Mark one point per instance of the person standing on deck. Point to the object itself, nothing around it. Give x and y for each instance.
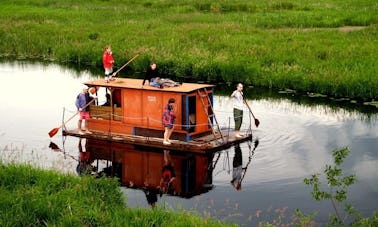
(81, 103)
(237, 96)
(108, 61)
(150, 73)
(168, 120)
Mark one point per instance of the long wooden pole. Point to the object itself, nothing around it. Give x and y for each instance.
(132, 59)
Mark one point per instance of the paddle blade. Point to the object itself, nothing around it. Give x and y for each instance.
(257, 122)
(53, 132)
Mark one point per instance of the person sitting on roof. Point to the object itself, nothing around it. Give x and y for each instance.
(151, 73)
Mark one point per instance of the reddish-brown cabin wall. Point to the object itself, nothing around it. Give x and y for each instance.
(144, 108)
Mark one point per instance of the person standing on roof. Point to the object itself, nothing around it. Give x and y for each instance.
(108, 61)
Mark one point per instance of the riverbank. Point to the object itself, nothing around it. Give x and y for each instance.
(31, 196)
(327, 47)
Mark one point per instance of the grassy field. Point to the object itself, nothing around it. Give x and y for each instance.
(35, 197)
(323, 46)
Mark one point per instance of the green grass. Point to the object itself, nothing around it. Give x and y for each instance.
(31, 197)
(300, 45)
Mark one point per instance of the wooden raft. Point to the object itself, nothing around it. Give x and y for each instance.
(202, 145)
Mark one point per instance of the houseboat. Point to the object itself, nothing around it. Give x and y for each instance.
(134, 115)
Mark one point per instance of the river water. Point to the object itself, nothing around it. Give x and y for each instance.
(295, 141)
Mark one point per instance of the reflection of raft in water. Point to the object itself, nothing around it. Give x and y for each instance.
(142, 168)
(134, 117)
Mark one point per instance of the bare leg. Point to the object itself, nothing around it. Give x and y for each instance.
(170, 131)
(79, 125)
(165, 134)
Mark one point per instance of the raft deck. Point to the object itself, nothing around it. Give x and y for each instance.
(205, 144)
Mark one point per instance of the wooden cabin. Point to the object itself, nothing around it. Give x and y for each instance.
(135, 116)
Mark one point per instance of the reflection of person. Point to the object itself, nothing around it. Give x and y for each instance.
(108, 61)
(237, 96)
(151, 194)
(237, 169)
(150, 73)
(84, 166)
(81, 103)
(168, 173)
(168, 120)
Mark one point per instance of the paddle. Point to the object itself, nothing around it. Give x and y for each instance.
(55, 130)
(257, 122)
(132, 59)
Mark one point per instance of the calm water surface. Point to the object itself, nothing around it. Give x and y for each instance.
(294, 142)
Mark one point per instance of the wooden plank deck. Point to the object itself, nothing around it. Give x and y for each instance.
(202, 145)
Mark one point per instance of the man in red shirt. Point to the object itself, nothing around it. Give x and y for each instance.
(108, 61)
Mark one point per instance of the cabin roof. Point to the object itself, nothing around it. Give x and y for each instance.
(129, 83)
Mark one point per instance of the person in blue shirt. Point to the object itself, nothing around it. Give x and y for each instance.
(81, 104)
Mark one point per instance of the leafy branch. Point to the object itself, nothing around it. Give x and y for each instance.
(336, 192)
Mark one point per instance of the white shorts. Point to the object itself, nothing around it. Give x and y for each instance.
(108, 71)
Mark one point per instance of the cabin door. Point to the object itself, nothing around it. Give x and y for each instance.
(189, 113)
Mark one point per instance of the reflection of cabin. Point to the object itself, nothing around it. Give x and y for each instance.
(135, 112)
(193, 175)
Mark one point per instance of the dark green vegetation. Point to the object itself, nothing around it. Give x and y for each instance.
(34, 197)
(324, 46)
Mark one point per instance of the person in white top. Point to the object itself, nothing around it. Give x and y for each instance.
(237, 96)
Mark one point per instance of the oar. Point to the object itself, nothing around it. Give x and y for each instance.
(132, 59)
(257, 122)
(55, 130)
